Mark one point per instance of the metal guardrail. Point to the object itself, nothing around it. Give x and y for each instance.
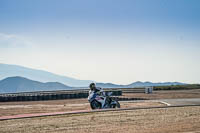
(61, 94)
(39, 96)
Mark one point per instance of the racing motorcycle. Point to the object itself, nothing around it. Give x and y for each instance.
(101, 102)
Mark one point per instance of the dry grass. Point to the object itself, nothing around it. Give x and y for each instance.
(15, 108)
(166, 94)
(184, 119)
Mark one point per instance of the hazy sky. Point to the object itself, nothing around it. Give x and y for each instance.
(118, 41)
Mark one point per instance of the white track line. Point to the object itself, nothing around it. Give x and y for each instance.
(165, 103)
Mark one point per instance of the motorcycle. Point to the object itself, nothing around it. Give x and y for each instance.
(102, 102)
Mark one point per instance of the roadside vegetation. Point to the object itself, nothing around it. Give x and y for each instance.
(178, 87)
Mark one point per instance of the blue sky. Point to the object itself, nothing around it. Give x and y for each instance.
(104, 40)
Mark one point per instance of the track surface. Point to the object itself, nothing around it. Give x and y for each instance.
(169, 102)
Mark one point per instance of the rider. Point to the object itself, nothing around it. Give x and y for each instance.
(97, 90)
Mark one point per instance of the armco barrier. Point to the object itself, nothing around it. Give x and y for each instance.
(48, 96)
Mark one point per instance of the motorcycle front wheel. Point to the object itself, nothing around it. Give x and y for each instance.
(115, 104)
(95, 105)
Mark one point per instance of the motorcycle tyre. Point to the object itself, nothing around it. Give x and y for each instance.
(98, 105)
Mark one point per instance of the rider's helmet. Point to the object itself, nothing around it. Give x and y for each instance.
(92, 86)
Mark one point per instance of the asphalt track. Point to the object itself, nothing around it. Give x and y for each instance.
(171, 103)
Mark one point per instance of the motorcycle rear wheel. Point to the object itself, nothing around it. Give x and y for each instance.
(117, 104)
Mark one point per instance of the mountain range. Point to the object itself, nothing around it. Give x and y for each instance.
(21, 84)
(138, 84)
(39, 75)
(15, 79)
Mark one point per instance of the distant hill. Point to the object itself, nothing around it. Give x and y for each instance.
(39, 75)
(108, 85)
(138, 84)
(143, 84)
(20, 84)
(27, 79)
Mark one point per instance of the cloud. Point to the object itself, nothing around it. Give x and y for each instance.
(13, 41)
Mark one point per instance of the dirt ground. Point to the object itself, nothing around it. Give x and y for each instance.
(170, 120)
(14, 108)
(166, 94)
